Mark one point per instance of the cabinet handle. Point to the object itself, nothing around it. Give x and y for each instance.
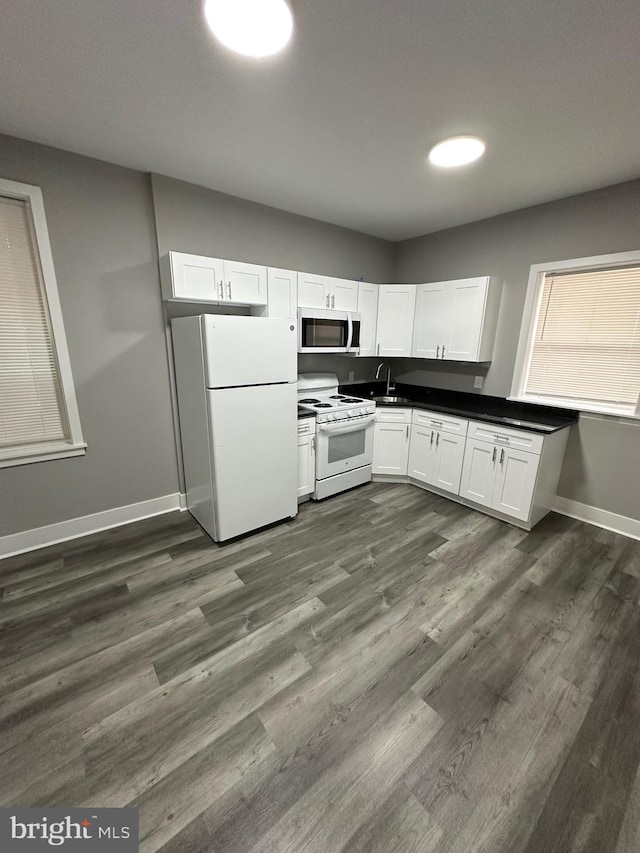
(327, 300)
(502, 456)
(437, 439)
(443, 350)
(407, 432)
(313, 444)
(221, 286)
(431, 442)
(229, 289)
(493, 458)
(438, 351)
(378, 352)
(333, 300)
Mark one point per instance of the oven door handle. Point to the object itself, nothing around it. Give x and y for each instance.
(351, 426)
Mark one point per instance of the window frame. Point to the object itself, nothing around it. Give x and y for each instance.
(528, 327)
(75, 444)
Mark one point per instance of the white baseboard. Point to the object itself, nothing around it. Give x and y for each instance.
(39, 537)
(600, 517)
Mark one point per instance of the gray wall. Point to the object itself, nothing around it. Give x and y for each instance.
(602, 464)
(100, 220)
(194, 219)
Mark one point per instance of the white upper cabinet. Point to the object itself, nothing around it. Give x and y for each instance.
(282, 290)
(368, 310)
(457, 320)
(192, 278)
(396, 305)
(313, 290)
(196, 278)
(432, 315)
(322, 291)
(245, 284)
(343, 294)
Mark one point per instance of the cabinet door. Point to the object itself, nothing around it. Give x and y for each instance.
(282, 290)
(196, 278)
(421, 453)
(432, 320)
(343, 294)
(368, 310)
(245, 284)
(467, 300)
(313, 291)
(396, 305)
(390, 449)
(446, 468)
(478, 471)
(516, 473)
(306, 465)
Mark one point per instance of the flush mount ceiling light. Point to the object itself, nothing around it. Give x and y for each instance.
(250, 27)
(456, 151)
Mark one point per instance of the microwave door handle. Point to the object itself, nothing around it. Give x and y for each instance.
(349, 333)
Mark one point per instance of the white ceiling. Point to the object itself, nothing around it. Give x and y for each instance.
(339, 125)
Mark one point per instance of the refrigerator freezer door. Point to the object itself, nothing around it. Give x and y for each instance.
(253, 436)
(249, 350)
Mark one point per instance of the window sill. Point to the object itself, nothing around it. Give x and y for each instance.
(576, 406)
(41, 453)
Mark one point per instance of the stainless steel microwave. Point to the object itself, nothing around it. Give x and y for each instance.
(320, 330)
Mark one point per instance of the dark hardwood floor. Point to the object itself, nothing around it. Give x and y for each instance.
(389, 672)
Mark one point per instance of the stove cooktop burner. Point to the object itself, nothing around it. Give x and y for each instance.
(311, 401)
(337, 397)
(350, 400)
(323, 405)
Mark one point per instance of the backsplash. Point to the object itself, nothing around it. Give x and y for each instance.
(451, 376)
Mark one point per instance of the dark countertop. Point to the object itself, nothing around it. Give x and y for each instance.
(303, 414)
(478, 407)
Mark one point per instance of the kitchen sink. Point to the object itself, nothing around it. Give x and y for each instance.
(385, 398)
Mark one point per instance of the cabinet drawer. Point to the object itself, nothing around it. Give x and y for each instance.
(393, 416)
(306, 426)
(444, 423)
(505, 437)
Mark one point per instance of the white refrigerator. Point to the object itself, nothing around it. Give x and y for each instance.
(236, 387)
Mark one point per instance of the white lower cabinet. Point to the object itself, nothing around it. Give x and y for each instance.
(513, 473)
(306, 457)
(391, 442)
(437, 450)
(499, 477)
(500, 468)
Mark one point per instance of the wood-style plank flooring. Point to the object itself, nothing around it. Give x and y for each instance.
(388, 672)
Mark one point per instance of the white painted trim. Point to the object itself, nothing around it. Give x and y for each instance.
(32, 195)
(600, 517)
(531, 310)
(40, 537)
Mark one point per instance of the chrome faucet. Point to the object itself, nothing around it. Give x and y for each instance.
(390, 387)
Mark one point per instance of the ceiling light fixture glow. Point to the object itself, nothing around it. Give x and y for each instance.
(251, 27)
(456, 151)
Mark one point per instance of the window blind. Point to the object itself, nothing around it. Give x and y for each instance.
(31, 402)
(586, 346)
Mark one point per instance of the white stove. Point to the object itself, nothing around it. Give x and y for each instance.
(344, 433)
(318, 393)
